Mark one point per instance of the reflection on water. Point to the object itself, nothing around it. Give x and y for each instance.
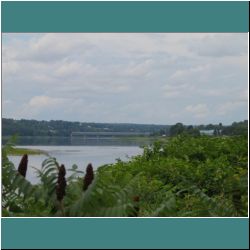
(79, 151)
(79, 155)
(66, 141)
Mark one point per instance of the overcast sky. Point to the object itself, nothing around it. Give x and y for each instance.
(136, 78)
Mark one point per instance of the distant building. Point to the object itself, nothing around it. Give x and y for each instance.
(207, 132)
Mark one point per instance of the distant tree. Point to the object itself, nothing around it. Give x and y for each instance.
(177, 129)
(201, 127)
(237, 128)
(192, 131)
(210, 126)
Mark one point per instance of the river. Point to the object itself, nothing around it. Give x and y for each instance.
(79, 155)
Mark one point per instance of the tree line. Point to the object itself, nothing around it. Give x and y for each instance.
(236, 128)
(25, 127)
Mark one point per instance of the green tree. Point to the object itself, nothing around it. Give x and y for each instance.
(177, 129)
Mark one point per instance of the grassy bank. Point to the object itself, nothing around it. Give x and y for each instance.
(21, 151)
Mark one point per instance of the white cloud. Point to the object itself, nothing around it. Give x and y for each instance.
(68, 69)
(45, 102)
(69, 76)
(220, 45)
(10, 68)
(137, 69)
(172, 91)
(229, 107)
(198, 110)
(183, 74)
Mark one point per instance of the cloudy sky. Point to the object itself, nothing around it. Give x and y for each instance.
(136, 78)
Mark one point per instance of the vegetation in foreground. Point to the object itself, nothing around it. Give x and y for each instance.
(184, 176)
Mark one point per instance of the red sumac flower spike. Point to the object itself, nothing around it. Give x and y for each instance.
(23, 165)
(61, 183)
(89, 177)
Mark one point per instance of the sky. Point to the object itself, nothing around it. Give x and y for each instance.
(150, 78)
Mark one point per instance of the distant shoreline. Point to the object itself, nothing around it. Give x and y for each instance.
(21, 151)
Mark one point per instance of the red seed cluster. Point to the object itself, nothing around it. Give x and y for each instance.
(136, 198)
(61, 183)
(89, 177)
(23, 165)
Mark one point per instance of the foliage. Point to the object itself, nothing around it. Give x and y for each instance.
(179, 129)
(25, 127)
(183, 176)
(237, 128)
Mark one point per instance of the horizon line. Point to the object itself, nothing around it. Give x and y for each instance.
(132, 123)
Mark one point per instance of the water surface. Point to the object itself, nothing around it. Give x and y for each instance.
(79, 155)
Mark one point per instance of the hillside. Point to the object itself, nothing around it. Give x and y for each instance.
(65, 128)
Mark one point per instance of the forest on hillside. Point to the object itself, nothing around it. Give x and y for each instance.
(25, 127)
